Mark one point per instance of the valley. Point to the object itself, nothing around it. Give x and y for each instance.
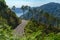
(29, 20)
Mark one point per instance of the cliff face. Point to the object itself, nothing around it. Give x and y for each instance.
(7, 16)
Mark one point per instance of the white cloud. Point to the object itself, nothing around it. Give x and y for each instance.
(19, 3)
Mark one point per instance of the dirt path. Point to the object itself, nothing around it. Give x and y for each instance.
(20, 28)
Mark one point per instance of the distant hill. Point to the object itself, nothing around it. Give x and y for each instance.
(52, 8)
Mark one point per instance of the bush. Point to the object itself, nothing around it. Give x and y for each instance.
(6, 34)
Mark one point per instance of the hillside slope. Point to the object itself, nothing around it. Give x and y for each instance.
(7, 16)
(53, 8)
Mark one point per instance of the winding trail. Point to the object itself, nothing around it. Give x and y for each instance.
(20, 28)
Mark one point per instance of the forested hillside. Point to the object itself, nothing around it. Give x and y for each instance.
(44, 19)
(7, 16)
(54, 10)
(43, 15)
(43, 26)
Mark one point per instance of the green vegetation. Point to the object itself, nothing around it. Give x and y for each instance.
(2, 0)
(6, 34)
(45, 22)
(46, 27)
(7, 16)
(49, 27)
(34, 31)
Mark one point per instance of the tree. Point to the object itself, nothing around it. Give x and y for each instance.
(40, 15)
(13, 7)
(24, 8)
(2, 0)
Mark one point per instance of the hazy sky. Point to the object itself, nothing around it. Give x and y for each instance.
(32, 3)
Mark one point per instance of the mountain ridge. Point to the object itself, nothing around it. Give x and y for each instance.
(52, 8)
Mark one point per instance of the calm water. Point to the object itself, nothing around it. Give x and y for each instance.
(19, 14)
